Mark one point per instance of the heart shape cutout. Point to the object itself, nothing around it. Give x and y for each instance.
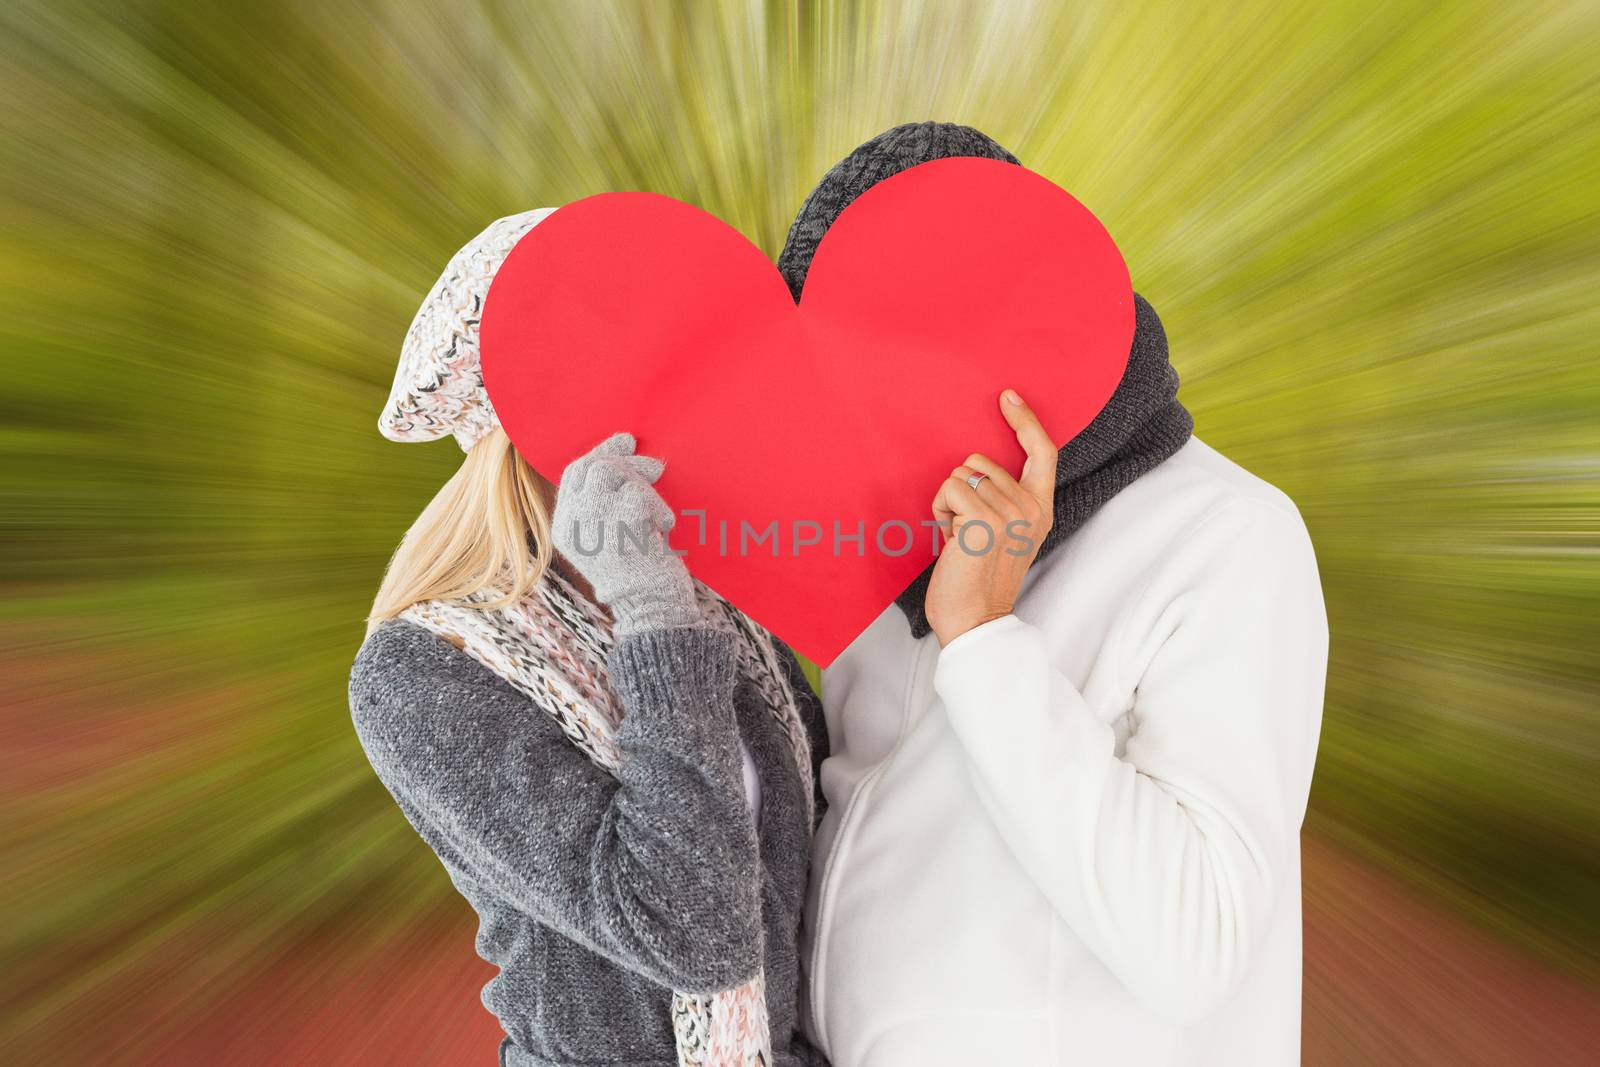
(835, 419)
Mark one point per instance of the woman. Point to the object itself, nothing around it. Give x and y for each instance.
(614, 765)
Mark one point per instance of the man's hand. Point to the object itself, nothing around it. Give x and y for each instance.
(993, 531)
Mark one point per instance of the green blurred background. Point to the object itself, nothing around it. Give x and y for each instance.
(1372, 230)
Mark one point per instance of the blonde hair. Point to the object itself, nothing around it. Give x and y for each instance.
(486, 528)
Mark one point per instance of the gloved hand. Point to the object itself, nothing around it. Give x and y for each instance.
(607, 507)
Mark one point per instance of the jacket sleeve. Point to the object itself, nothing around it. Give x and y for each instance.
(1167, 860)
(655, 868)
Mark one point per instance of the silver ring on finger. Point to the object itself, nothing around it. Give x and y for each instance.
(974, 480)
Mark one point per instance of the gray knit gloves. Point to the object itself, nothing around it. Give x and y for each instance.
(611, 525)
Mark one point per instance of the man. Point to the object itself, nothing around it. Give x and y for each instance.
(1066, 789)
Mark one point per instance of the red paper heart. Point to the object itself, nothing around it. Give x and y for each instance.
(931, 292)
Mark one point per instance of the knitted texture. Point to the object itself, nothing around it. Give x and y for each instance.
(438, 387)
(612, 525)
(886, 155)
(1140, 426)
(585, 793)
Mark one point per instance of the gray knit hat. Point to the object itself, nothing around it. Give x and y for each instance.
(884, 156)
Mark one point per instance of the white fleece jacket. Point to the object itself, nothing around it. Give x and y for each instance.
(1072, 836)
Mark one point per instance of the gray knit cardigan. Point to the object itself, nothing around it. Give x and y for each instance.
(598, 893)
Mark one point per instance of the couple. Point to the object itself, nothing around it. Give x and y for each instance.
(1047, 811)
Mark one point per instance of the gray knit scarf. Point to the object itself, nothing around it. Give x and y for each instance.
(1140, 426)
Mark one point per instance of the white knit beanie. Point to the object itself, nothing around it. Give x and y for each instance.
(438, 388)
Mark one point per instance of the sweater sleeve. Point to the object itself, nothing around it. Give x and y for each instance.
(1165, 861)
(655, 868)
